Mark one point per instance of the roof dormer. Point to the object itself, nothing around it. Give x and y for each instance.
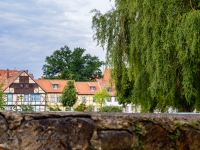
(109, 89)
(54, 84)
(92, 86)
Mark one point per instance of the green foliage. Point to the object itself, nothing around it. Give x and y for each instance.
(68, 95)
(111, 109)
(194, 124)
(90, 108)
(67, 108)
(91, 148)
(19, 98)
(56, 108)
(72, 65)
(2, 98)
(153, 48)
(26, 107)
(81, 107)
(102, 96)
(179, 124)
(175, 134)
(23, 107)
(140, 132)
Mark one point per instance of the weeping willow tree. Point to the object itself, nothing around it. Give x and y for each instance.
(153, 48)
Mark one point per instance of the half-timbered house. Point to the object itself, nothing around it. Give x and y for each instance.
(21, 89)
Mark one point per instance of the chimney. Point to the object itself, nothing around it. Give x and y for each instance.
(27, 71)
(31, 75)
(42, 77)
(7, 73)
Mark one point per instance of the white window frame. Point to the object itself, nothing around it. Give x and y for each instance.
(83, 99)
(52, 98)
(92, 88)
(55, 86)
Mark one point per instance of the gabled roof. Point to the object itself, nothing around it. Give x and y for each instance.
(47, 85)
(91, 84)
(105, 81)
(7, 77)
(84, 88)
(106, 74)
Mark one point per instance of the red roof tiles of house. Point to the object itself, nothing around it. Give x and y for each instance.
(87, 88)
(8, 76)
(48, 85)
(106, 74)
(105, 81)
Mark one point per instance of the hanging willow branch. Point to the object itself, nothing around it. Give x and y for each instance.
(153, 48)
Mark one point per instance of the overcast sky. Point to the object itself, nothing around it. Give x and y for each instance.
(30, 30)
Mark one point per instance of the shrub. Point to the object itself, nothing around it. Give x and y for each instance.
(27, 107)
(56, 108)
(89, 108)
(81, 107)
(111, 109)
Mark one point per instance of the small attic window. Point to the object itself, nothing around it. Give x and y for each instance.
(92, 88)
(55, 86)
(109, 90)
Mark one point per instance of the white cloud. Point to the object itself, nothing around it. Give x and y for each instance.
(31, 30)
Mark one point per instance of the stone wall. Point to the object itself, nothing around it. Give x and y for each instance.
(98, 131)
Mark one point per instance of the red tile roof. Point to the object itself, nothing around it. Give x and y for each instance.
(8, 76)
(105, 81)
(54, 82)
(46, 84)
(84, 87)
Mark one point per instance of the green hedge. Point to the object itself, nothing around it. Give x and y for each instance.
(111, 109)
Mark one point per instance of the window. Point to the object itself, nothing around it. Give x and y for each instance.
(109, 90)
(52, 98)
(83, 99)
(34, 109)
(58, 98)
(92, 88)
(37, 108)
(115, 99)
(26, 86)
(35, 97)
(21, 85)
(94, 100)
(26, 97)
(8, 108)
(41, 108)
(98, 109)
(55, 86)
(127, 108)
(10, 98)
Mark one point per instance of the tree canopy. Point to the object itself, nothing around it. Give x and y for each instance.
(72, 65)
(68, 95)
(153, 47)
(102, 96)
